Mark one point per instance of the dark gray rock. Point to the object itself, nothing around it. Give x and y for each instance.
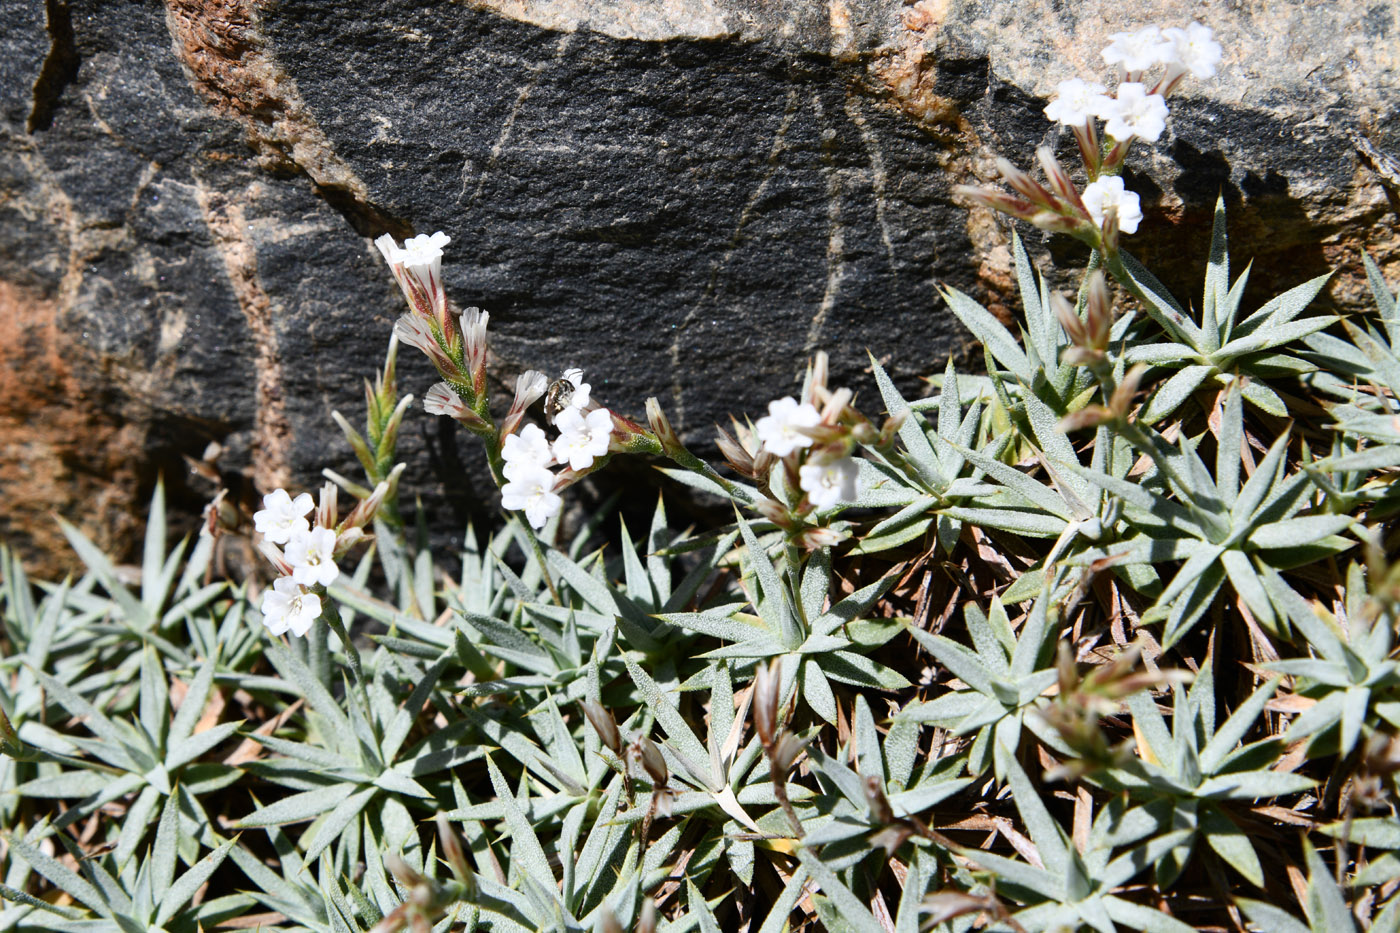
(684, 197)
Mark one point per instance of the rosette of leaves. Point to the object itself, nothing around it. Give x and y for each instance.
(876, 807)
(1366, 355)
(1036, 367)
(134, 896)
(635, 599)
(1218, 526)
(1222, 347)
(1325, 906)
(1065, 884)
(171, 592)
(31, 631)
(353, 769)
(825, 643)
(1351, 674)
(1003, 676)
(150, 758)
(923, 480)
(1192, 777)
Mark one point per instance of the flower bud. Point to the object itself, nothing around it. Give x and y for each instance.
(1122, 401)
(817, 371)
(1089, 416)
(653, 762)
(661, 427)
(775, 512)
(647, 922)
(880, 810)
(789, 747)
(1059, 179)
(1110, 229)
(346, 540)
(835, 405)
(529, 386)
(997, 201)
(891, 428)
(474, 321)
(1090, 150)
(1026, 186)
(604, 724)
(813, 538)
(327, 509)
(766, 684)
(364, 510)
(456, 858)
(1098, 311)
(739, 459)
(629, 437)
(418, 332)
(274, 556)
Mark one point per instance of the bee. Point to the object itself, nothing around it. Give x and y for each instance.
(557, 398)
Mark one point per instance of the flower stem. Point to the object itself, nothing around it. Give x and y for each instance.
(332, 617)
(318, 655)
(780, 791)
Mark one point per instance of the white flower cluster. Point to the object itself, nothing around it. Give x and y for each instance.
(585, 433)
(782, 431)
(309, 554)
(1137, 110)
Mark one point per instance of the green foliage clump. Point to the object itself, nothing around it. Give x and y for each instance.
(1100, 638)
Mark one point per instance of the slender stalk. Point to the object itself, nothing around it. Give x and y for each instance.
(780, 791)
(318, 655)
(694, 464)
(332, 616)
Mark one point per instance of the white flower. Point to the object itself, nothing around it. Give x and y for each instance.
(582, 390)
(528, 450)
(582, 437)
(1135, 113)
(532, 489)
(529, 386)
(1138, 51)
(282, 516)
(417, 266)
(778, 430)
(1109, 192)
(827, 484)
(442, 399)
(1075, 102)
(287, 606)
(312, 556)
(1194, 49)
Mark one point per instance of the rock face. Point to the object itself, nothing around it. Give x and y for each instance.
(684, 197)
